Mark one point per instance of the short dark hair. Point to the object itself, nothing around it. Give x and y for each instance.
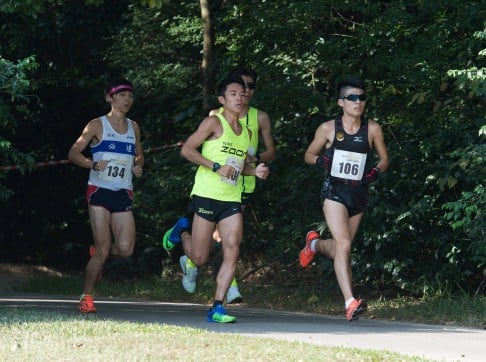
(349, 83)
(223, 85)
(118, 85)
(242, 70)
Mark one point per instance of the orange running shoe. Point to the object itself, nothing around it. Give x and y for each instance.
(357, 307)
(92, 251)
(306, 255)
(86, 304)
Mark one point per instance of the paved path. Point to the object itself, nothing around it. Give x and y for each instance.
(426, 341)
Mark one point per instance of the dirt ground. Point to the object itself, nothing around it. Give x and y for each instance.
(14, 275)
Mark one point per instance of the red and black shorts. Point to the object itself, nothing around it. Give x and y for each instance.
(113, 201)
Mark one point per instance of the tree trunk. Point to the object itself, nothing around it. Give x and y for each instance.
(207, 66)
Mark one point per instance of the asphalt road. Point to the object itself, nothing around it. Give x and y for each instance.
(427, 341)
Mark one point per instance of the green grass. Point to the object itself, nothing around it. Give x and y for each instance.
(27, 335)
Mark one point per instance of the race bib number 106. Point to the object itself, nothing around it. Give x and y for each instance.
(348, 165)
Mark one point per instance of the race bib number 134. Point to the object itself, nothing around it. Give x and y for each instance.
(119, 168)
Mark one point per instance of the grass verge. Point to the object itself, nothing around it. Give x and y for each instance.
(27, 335)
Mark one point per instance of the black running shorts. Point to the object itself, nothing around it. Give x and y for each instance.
(214, 210)
(354, 197)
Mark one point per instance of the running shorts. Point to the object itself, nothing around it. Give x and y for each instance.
(354, 197)
(113, 201)
(213, 210)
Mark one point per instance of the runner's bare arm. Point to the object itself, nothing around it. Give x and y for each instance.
(139, 157)
(209, 128)
(322, 138)
(378, 143)
(91, 134)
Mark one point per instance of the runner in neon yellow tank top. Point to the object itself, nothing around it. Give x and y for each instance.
(229, 150)
(260, 126)
(216, 195)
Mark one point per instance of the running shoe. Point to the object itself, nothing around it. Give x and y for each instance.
(190, 274)
(357, 307)
(306, 255)
(92, 251)
(218, 314)
(86, 304)
(173, 235)
(233, 295)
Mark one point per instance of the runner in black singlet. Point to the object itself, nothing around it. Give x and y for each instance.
(347, 142)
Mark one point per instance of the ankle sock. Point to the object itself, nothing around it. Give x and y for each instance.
(190, 263)
(217, 302)
(348, 302)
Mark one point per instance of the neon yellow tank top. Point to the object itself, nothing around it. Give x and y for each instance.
(248, 183)
(229, 149)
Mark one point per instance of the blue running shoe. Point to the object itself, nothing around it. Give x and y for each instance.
(218, 314)
(173, 235)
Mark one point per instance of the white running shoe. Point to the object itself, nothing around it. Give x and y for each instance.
(233, 295)
(190, 274)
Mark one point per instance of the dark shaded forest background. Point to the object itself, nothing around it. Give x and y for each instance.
(424, 63)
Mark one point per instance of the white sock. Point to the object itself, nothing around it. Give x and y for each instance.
(348, 302)
(313, 245)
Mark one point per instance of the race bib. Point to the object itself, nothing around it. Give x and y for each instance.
(237, 164)
(348, 165)
(119, 168)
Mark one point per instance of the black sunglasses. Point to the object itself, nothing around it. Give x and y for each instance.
(250, 85)
(355, 97)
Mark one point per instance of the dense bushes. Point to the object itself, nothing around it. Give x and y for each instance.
(424, 229)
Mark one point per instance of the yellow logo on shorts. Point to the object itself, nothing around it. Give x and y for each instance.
(201, 210)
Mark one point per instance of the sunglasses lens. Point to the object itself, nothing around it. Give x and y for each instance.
(250, 85)
(355, 97)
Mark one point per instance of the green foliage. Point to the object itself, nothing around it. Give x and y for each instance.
(424, 116)
(13, 87)
(153, 3)
(424, 67)
(467, 215)
(68, 42)
(165, 71)
(474, 77)
(34, 7)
